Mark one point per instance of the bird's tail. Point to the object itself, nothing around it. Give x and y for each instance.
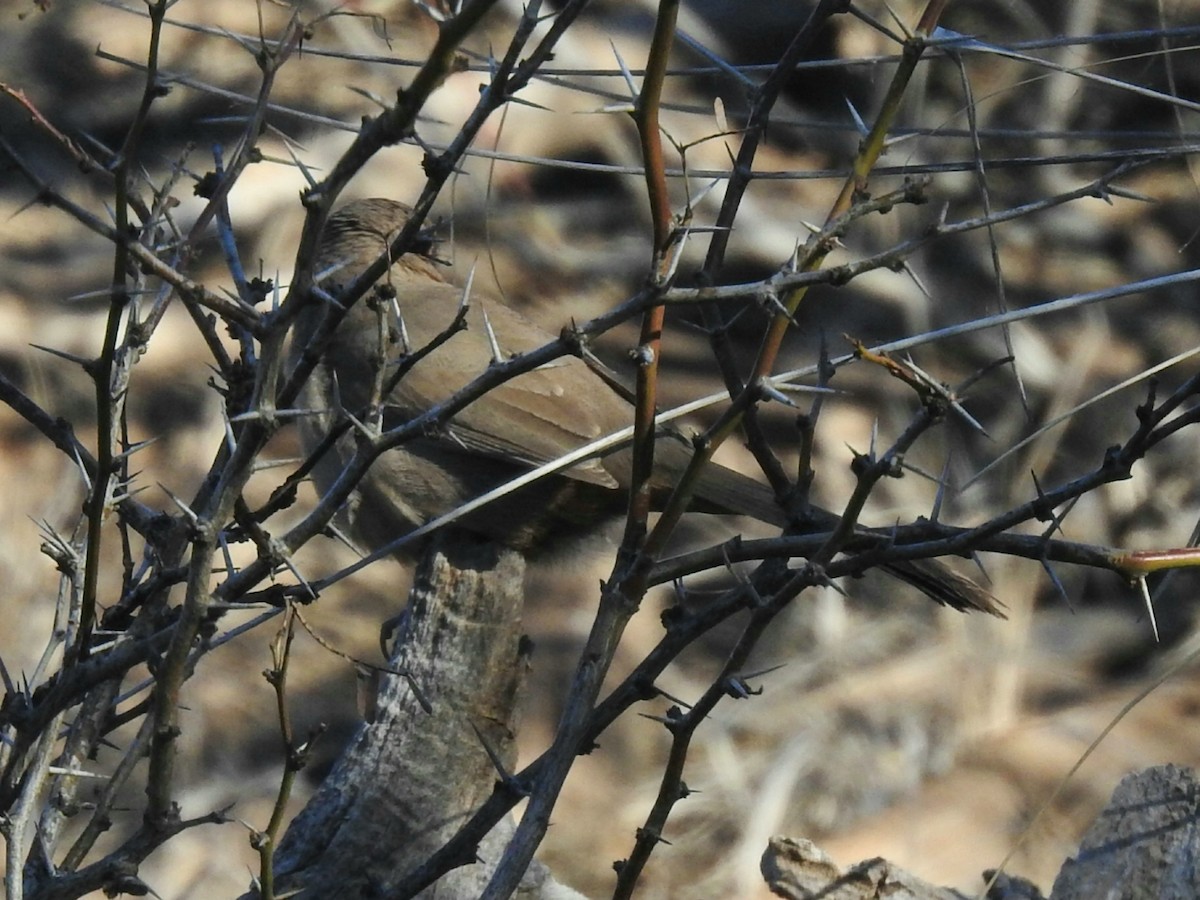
(721, 490)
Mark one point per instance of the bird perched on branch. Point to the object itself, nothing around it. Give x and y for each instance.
(534, 418)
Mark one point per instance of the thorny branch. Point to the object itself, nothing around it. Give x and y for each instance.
(103, 641)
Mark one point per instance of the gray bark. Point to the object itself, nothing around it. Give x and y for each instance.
(1144, 845)
(410, 778)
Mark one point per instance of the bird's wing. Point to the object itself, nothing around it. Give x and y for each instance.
(535, 418)
(541, 416)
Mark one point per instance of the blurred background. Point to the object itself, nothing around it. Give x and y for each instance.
(893, 728)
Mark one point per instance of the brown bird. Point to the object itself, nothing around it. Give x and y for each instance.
(532, 419)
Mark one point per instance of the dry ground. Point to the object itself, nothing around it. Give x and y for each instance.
(893, 729)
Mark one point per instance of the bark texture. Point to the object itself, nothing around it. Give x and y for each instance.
(1146, 843)
(411, 777)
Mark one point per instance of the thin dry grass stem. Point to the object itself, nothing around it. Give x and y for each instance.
(1073, 412)
(1065, 781)
(985, 195)
(295, 755)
